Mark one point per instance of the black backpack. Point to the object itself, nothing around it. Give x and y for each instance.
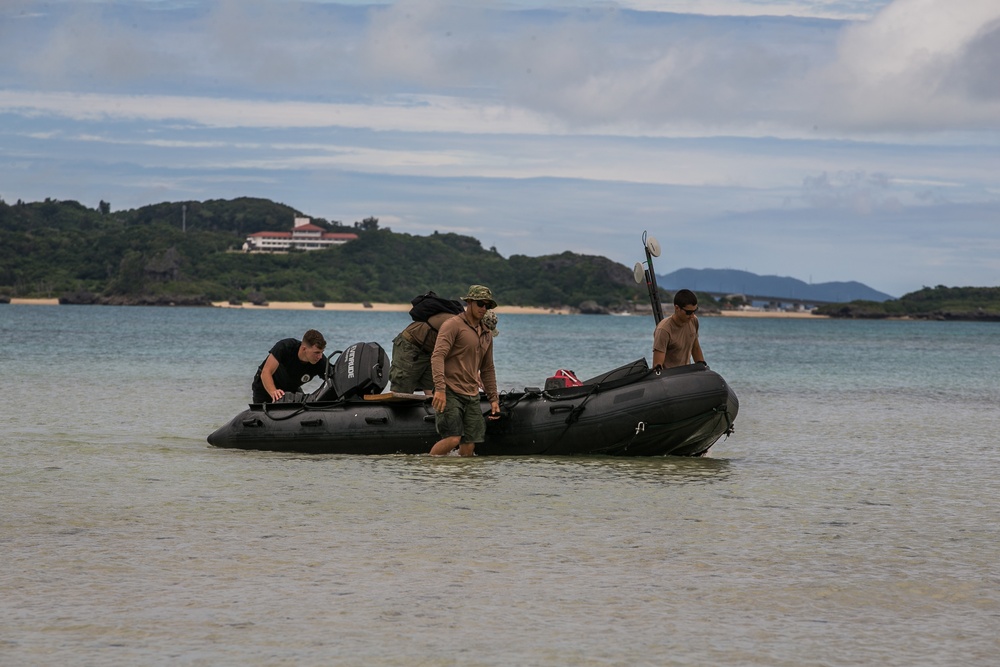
(429, 304)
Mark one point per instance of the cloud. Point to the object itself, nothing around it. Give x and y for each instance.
(857, 192)
(428, 114)
(918, 65)
(830, 9)
(789, 137)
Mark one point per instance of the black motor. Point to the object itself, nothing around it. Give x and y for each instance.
(360, 369)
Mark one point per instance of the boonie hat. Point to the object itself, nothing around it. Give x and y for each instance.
(480, 293)
(490, 322)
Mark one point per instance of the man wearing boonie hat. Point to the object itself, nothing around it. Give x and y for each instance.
(462, 357)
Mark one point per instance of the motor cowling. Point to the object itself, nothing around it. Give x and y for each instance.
(362, 368)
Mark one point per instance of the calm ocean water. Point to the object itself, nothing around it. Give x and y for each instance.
(852, 519)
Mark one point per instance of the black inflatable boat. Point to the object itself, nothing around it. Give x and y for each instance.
(629, 411)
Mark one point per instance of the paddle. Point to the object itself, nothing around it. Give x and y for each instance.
(652, 247)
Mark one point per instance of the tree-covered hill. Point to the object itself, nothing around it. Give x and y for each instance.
(933, 303)
(190, 252)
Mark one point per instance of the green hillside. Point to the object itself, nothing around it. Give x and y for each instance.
(933, 303)
(190, 252)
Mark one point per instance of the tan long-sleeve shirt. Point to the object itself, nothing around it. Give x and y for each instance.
(464, 353)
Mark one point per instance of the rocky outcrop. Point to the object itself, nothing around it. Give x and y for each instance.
(863, 312)
(853, 312)
(84, 298)
(947, 316)
(592, 308)
(79, 298)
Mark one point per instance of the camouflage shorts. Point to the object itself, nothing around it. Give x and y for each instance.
(410, 368)
(462, 416)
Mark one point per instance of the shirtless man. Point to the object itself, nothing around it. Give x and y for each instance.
(675, 341)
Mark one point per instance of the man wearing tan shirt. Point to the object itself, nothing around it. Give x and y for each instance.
(675, 340)
(463, 355)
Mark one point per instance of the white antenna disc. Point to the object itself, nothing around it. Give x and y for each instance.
(653, 246)
(639, 273)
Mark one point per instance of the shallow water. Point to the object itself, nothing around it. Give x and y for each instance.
(852, 518)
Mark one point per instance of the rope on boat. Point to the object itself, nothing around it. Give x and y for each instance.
(304, 407)
(730, 425)
(575, 413)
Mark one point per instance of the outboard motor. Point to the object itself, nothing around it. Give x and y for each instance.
(363, 368)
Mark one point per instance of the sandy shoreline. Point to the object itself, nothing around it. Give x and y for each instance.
(404, 307)
(34, 302)
(305, 305)
(786, 314)
(378, 307)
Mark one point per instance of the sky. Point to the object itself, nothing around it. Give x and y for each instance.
(825, 140)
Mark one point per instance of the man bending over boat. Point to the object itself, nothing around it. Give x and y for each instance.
(289, 365)
(463, 355)
(675, 341)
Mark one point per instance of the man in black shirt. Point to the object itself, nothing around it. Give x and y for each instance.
(289, 365)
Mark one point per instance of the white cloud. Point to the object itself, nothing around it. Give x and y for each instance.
(415, 114)
(919, 64)
(835, 9)
(776, 136)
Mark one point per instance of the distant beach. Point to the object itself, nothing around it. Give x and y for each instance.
(34, 302)
(501, 310)
(379, 307)
(789, 314)
(404, 307)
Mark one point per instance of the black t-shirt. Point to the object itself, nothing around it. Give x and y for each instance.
(292, 372)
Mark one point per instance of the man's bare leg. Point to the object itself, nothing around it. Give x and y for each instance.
(467, 449)
(444, 446)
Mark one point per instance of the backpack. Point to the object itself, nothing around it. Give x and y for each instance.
(430, 303)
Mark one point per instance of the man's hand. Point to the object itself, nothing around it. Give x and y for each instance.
(439, 402)
(494, 410)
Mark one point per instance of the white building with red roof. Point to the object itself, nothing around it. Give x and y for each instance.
(304, 236)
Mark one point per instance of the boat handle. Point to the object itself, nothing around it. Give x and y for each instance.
(429, 418)
(252, 423)
(377, 420)
(560, 408)
(312, 422)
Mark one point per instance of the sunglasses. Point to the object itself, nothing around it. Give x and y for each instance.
(687, 312)
(482, 304)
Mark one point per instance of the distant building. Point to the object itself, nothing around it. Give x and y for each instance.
(304, 236)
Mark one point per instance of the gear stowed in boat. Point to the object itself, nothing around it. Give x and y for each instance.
(629, 411)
